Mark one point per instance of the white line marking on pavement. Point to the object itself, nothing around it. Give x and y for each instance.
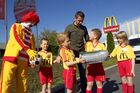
(107, 68)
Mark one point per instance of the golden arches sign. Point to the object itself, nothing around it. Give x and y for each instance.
(110, 24)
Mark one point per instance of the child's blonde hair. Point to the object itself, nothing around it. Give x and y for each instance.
(98, 32)
(122, 34)
(61, 38)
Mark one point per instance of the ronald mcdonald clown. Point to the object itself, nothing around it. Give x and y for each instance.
(19, 50)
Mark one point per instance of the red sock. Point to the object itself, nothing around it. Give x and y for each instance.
(131, 89)
(88, 91)
(124, 87)
(99, 90)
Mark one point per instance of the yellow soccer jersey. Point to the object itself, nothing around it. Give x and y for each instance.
(89, 47)
(123, 53)
(67, 56)
(46, 56)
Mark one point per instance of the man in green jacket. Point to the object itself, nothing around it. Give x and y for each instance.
(78, 35)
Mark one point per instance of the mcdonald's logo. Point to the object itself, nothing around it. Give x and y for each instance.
(123, 56)
(110, 24)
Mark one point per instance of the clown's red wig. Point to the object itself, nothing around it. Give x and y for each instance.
(31, 17)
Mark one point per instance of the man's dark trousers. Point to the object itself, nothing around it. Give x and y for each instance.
(82, 73)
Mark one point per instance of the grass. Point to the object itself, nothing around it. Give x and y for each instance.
(110, 62)
(35, 86)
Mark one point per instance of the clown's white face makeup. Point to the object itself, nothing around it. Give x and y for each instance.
(27, 24)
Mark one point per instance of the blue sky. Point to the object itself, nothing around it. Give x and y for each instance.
(57, 14)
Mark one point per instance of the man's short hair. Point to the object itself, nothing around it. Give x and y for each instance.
(79, 13)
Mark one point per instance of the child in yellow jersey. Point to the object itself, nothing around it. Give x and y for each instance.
(69, 61)
(125, 57)
(95, 72)
(45, 73)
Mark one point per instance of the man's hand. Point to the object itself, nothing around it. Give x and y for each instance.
(80, 60)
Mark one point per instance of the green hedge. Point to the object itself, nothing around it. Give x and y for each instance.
(110, 42)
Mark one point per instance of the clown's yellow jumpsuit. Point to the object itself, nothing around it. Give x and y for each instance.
(15, 60)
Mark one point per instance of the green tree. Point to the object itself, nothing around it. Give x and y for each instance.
(51, 36)
(110, 42)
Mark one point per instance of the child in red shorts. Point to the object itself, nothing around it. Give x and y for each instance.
(69, 61)
(45, 73)
(95, 72)
(125, 57)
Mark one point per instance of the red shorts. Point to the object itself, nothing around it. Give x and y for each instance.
(46, 75)
(69, 77)
(95, 72)
(125, 68)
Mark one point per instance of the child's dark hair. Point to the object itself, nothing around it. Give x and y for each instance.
(98, 32)
(79, 13)
(43, 38)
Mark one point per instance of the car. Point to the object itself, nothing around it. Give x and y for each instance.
(134, 41)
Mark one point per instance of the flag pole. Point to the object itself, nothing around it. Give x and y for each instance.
(5, 21)
(37, 38)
